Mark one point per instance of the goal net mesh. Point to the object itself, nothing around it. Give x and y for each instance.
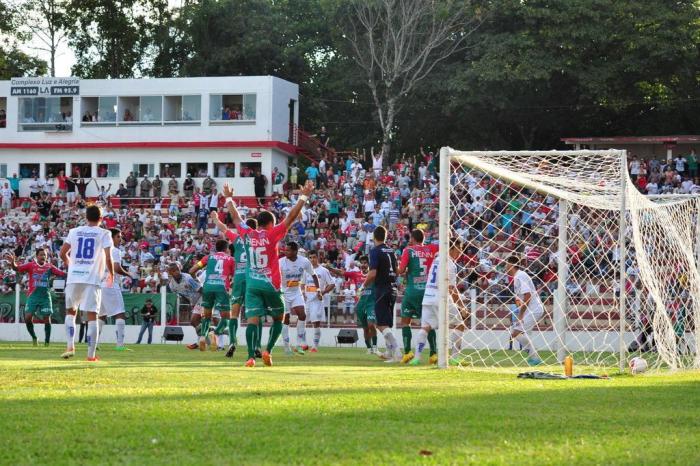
(559, 212)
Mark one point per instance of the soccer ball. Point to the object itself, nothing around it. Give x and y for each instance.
(638, 365)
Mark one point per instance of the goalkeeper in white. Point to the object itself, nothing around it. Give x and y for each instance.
(531, 309)
(431, 300)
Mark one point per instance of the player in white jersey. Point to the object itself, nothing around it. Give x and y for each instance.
(87, 252)
(191, 290)
(292, 269)
(316, 288)
(529, 306)
(431, 303)
(112, 304)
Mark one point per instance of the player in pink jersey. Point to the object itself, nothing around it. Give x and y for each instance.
(38, 304)
(263, 295)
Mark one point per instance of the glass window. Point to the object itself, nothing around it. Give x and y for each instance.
(192, 108)
(198, 170)
(232, 107)
(81, 170)
(169, 169)
(225, 170)
(248, 169)
(3, 112)
(3, 170)
(28, 170)
(129, 109)
(108, 170)
(88, 109)
(45, 113)
(151, 109)
(187, 108)
(55, 169)
(107, 110)
(142, 169)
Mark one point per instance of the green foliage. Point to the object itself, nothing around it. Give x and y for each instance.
(15, 63)
(163, 404)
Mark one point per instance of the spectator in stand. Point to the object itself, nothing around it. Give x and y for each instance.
(325, 140)
(277, 181)
(146, 186)
(293, 175)
(188, 186)
(14, 184)
(692, 162)
(122, 193)
(634, 166)
(680, 165)
(35, 188)
(157, 187)
(207, 185)
(148, 316)
(260, 185)
(172, 185)
(131, 183)
(7, 194)
(3, 118)
(61, 183)
(312, 173)
(214, 201)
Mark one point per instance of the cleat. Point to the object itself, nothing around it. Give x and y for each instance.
(383, 356)
(299, 350)
(406, 358)
(304, 347)
(213, 341)
(231, 350)
(370, 351)
(192, 346)
(124, 348)
(46, 344)
(35, 342)
(267, 359)
(414, 362)
(68, 354)
(534, 361)
(250, 362)
(258, 354)
(287, 352)
(202, 344)
(433, 359)
(454, 361)
(314, 350)
(95, 359)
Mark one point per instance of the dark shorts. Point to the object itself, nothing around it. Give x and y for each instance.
(384, 300)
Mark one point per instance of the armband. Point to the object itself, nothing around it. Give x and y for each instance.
(303, 197)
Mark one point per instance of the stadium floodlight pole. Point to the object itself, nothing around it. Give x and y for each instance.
(622, 238)
(560, 302)
(444, 230)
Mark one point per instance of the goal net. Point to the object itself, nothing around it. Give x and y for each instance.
(615, 271)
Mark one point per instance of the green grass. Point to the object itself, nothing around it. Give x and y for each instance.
(168, 405)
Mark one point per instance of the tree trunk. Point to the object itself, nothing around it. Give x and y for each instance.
(388, 127)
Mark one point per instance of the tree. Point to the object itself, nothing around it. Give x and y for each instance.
(398, 43)
(15, 63)
(46, 21)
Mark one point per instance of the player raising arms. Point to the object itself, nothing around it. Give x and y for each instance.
(263, 282)
(239, 281)
(431, 300)
(112, 304)
(293, 268)
(87, 252)
(191, 290)
(415, 263)
(316, 287)
(530, 308)
(220, 268)
(38, 295)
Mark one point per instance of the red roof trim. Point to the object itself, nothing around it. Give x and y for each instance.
(283, 146)
(633, 140)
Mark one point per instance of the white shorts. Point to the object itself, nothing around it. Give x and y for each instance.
(430, 313)
(112, 302)
(197, 311)
(6, 202)
(70, 197)
(315, 311)
(528, 322)
(83, 296)
(290, 302)
(277, 188)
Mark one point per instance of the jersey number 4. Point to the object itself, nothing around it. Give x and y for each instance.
(86, 248)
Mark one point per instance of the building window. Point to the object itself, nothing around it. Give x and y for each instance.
(151, 109)
(182, 109)
(170, 169)
(198, 170)
(225, 170)
(128, 109)
(55, 169)
(98, 111)
(3, 170)
(28, 170)
(143, 169)
(3, 112)
(248, 169)
(45, 113)
(108, 170)
(232, 107)
(81, 170)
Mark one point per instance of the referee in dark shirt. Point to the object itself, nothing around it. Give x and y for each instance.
(382, 272)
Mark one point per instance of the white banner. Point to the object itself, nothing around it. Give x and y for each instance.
(44, 87)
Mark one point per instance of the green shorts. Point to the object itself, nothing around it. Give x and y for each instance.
(262, 299)
(218, 300)
(365, 310)
(412, 304)
(238, 289)
(39, 305)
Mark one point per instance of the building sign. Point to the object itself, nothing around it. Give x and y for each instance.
(256, 155)
(44, 87)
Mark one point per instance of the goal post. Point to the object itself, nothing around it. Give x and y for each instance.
(613, 271)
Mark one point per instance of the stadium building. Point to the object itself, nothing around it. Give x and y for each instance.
(225, 127)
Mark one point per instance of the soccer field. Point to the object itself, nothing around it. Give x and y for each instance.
(167, 405)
